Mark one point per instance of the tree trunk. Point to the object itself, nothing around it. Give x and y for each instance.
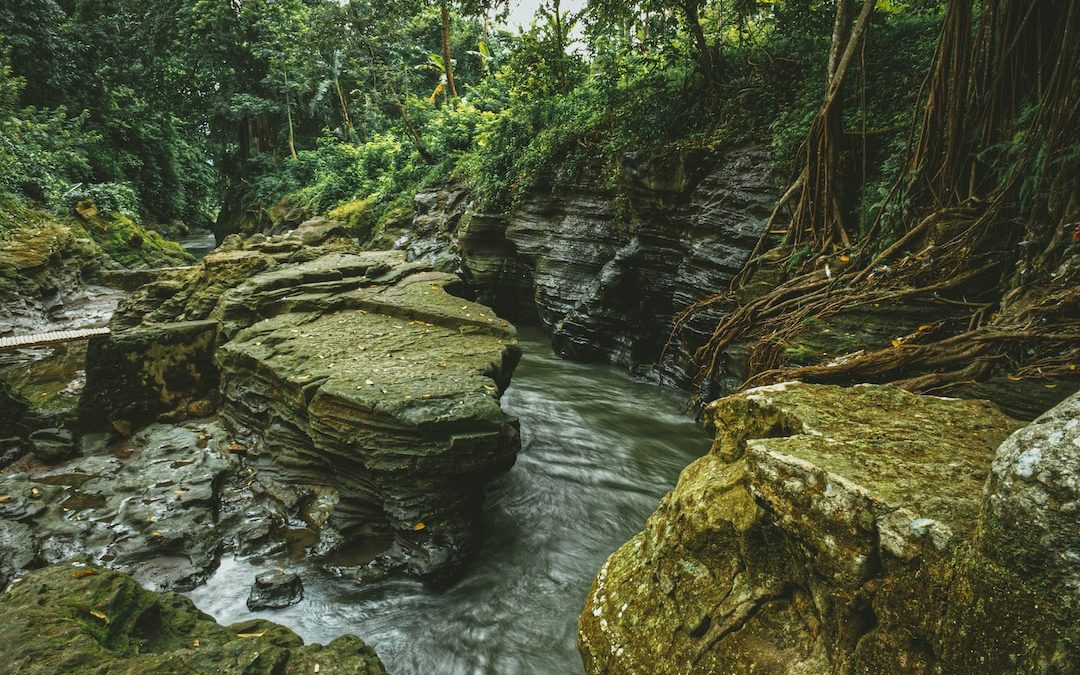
(288, 115)
(448, 63)
(704, 51)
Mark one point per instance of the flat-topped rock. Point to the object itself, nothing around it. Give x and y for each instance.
(828, 530)
(355, 378)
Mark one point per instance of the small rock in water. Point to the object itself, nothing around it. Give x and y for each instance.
(53, 446)
(275, 590)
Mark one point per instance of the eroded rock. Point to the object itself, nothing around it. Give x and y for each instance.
(366, 395)
(606, 279)
(84, 619)
(830, 530)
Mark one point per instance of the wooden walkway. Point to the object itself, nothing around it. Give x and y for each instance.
(44, 339)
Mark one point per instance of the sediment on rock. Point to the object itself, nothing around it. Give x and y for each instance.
(834, 530)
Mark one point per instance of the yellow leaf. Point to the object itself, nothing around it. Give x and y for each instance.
(1050, 386)
(102, 616)
(419, 526)
(845, 258)
(1013, 378)
(251, 635)
(1072, 366)
(196, 644)
(926, 326)
(83, 573)
(896, 342)
(5, 499)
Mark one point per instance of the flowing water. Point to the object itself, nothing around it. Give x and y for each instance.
(198, 244)
(599, 449)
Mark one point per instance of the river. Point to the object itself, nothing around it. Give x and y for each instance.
(599, 449)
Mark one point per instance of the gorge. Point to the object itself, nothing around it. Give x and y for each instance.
(650, 337)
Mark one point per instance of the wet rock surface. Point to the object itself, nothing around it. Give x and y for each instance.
(831, 530)
(365, 395)
(604, 280)
(84, 619)
(149, 507)
(275, 590)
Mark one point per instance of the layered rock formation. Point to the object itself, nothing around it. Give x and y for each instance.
(836, 530)
(85, 619)
(353, 379)
(605, 278)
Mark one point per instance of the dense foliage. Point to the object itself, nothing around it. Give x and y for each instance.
(172, 108)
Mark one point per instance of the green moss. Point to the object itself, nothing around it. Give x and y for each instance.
(133, 245)
(359, 215)
(79, 619)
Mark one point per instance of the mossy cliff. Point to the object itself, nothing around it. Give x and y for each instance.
(842, 530)
(45, 258)
(79, 619)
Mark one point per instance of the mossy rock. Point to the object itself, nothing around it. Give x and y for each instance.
(830, 530)
(79, 619)
(129, 243)
(359, 215)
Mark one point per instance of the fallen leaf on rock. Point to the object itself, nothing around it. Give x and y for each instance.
(100, 615)
(419, 526)
(196, 643)
(83, 573)
(251, 635)
(1013, 378)
(5, 499)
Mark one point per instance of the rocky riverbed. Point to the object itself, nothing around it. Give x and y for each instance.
(297, 398)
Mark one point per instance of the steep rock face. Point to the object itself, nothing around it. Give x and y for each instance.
(364, 391)
(84, 619)
(606, 280)
(830, 530)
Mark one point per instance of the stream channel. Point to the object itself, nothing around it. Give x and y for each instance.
(598, 451)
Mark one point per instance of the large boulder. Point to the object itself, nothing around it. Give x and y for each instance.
(363, 390)
(838, 530)
(67, 619)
